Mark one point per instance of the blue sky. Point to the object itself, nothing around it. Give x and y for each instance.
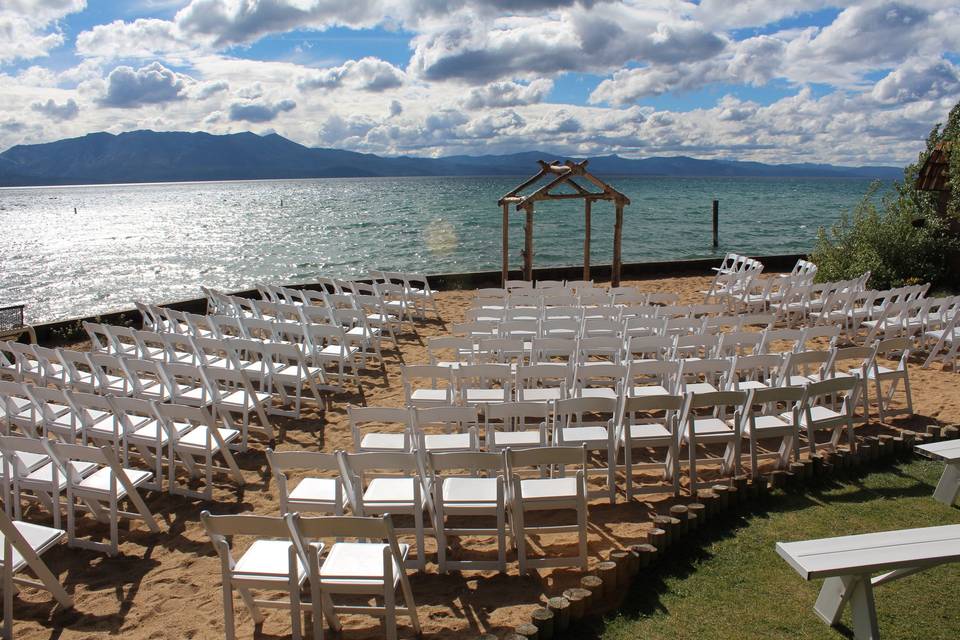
(847, 82)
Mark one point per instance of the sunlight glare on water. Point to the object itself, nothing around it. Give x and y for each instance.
(160, 242)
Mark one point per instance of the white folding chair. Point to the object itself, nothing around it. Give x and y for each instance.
(899, 350)
(815, 416)
(100, 492)
(194, 441)
(704, 423)
(312, 493)
(379, 483)
(270, 563)
(450, 428)
(460, 491)
(439, 392)
(649, 422)
(516, 424)
(590, 422)
(23, 544)
(551, 489)
(772, 413)
(391, 430)
(364, 559)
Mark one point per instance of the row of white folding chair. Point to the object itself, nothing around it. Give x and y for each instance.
(943, 341)
(213, 382)
(91, 478)
(733, 276)
(668, 365)
(362, 315)
(417, 290)
(161, 433)
(923, 317)
(318, 346)
(348, 324)
(289, 552)
(383, 299)
(592, 327)
(423, 484)
(852, 308)
(800, 301)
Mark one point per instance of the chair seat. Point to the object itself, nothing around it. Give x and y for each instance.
(540, 395)
(39, 537)
(389, 490)
(819, 413)
(44, 475)
(147, 433)
(651, 431)
(30, 461)
(587, 435)
(700, 387)
(196, 438)
(267, 560)
(470, 491)
(596, 392)
(546, 488)
(242, 400)
(317, 490)
(99, 481)
(800, 381)
(196, 395)
(648, 390)
(384, 441)
(707, 429)
(511, 438)
(430, 395)
(746, 385)
(486, 395)
(358, 564)
(770, 423)
(447, 441)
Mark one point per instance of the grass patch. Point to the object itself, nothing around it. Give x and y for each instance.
(736, 586)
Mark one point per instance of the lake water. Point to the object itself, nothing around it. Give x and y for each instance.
(72, 251)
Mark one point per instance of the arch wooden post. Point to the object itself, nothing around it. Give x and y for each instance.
(528, 244)
(617, 240)
(586, 238)
(506, 241)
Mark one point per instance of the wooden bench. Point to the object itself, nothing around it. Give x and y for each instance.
(849, 563)
(949, 486)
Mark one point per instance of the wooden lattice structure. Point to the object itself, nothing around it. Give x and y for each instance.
(559, 175)
(935, 175)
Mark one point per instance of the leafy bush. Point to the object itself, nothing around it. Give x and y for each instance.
(885, 242)
(903, 240)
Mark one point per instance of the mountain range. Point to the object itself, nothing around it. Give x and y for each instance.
(174, 156)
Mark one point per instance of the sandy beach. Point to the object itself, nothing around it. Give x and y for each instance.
(168, 585)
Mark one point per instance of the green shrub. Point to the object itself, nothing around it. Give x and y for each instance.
(884, 241)
(903, 240)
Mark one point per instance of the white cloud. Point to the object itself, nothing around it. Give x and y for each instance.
(66, 111)
(918, 79)
(259, 111)
(28, 28)
(142, 38)
(366, 74)
(152, 84)
(508, 94)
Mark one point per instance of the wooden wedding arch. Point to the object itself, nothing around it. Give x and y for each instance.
(560, 174)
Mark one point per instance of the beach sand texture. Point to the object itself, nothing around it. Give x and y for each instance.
(168, 585)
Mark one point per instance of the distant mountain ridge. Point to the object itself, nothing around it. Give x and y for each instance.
(179, 156)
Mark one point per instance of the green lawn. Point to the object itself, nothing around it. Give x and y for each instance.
(736, 586)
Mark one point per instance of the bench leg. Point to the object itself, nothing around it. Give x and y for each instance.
(949, 486)
(858, 591)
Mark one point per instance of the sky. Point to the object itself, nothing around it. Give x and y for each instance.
(859, 82)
